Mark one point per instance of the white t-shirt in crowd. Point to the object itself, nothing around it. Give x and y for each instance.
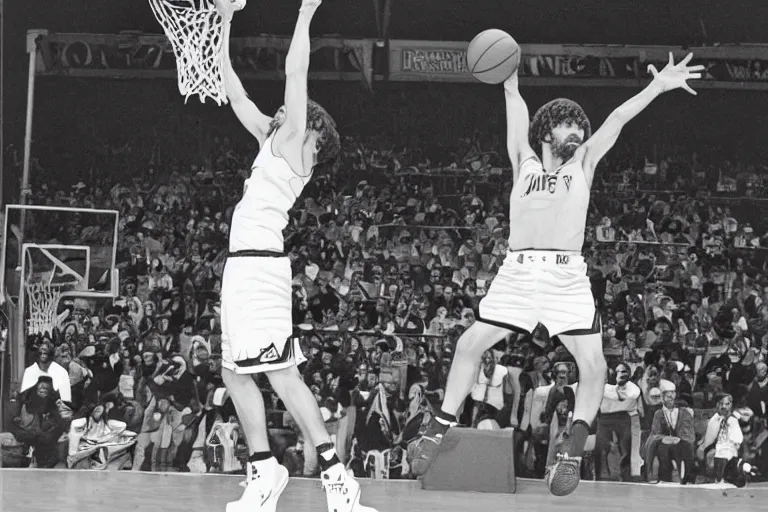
(56, 372)
(490, 391)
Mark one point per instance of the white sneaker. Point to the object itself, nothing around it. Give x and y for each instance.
(342, 491)
(263, 487)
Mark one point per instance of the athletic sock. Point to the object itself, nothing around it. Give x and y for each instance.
(440, 424)
(446, 419)
(326, 456)
(578, 438)
(259, 456)
(260, 462)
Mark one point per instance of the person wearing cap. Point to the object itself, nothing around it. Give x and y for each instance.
(672, 438)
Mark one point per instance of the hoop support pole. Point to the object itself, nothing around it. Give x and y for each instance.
(17, 348)
(32, 38)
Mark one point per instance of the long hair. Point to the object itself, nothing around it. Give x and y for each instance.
(553, 114)
(320, 121)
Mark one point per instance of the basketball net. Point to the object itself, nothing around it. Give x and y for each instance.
(195, 28)
(43, 301)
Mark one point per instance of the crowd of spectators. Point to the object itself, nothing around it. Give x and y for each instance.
(391, 253)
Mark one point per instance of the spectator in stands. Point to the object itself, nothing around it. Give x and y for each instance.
(159, 280)
(722, 439)
(379, 426)
(649, 384)
(46, 366)
(558, 410)
(671, 439)
(192, 390)
(757, 395)
(97, 441)
(559, 392)
(755, 444)
(39, 423)
(150, 439)
(106, 367)
(79, 374)
(538, 375)
(488, 392)
(620, 402)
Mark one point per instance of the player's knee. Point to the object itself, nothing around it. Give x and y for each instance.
(238, 385)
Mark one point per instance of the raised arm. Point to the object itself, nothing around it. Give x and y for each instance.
(517, 126)
(673, 76)
(296, 71)
(246, 111)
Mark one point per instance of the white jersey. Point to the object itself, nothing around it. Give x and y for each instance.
(548, 211)
(262, 214)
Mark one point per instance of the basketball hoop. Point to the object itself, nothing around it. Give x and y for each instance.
(195, 29)
(43, 299)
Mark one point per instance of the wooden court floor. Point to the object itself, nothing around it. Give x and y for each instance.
(30, 490)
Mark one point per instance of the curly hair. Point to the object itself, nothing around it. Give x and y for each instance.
(553, 114)
(320, 121)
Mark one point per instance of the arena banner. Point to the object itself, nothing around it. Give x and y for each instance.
(737, 66)
(137, 55)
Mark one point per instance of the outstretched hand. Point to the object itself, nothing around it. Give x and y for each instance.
(675, 76)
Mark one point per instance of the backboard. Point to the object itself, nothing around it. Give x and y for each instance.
(71, 248)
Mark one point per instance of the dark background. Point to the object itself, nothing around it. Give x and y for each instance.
(662, 22)
(531, 21)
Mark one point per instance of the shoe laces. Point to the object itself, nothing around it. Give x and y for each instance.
(253, 477)
(334, 484)
(564, 457)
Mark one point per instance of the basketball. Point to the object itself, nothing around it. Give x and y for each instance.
(493, 56)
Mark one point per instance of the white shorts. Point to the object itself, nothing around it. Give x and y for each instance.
(256, 321)
(547, 287)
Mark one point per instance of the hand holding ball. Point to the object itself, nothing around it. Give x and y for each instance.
(493, 56)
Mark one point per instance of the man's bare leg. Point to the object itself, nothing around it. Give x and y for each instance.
(342, 491)
(587, 350)
(265, 479)
(249, 404)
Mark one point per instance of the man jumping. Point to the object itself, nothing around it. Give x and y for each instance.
(544, 276)
(256, 293)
